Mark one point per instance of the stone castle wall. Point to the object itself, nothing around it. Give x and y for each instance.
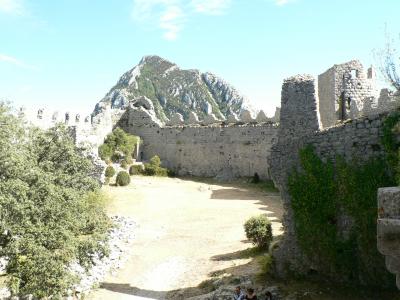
(388, 228)
(226, 151)
(231, 151)
(358, 138)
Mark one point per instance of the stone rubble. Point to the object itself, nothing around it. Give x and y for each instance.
(224, 291)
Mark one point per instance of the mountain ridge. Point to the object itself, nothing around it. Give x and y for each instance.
(175, 90)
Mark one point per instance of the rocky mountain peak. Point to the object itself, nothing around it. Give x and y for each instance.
(173, 90)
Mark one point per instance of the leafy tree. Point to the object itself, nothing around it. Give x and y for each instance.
(118, 141)
(49, 213)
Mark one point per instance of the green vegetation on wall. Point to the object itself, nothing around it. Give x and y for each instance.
(323, 195)
(391, 128)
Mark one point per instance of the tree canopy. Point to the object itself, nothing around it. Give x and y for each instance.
(50, 212)
(120, 141)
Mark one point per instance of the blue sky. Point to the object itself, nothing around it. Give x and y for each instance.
(67, 54)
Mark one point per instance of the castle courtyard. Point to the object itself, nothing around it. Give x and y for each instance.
(186, 230)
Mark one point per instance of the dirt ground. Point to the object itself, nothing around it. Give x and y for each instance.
(186, 230)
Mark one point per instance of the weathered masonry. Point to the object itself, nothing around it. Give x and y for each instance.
(228, 151)
(300, 125)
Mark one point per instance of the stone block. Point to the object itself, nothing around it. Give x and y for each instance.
(389, 202)
(388, 237)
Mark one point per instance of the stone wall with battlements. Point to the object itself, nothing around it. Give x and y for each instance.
(300, 126)
(85, 129)
(222, 149)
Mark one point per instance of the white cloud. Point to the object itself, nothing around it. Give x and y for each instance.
(172, 21)
(15, 61)
(12, 7)
(211, 7)
(171, 15)
(282, 2)
(166, 14)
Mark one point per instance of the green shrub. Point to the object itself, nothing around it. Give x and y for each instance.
(123, 178)
(129, 160)
(256, 178)
(117, 156)
(171, 173)
(105, 152)
(151, 170)
(107, 181)
(124, 164)
(259, 231)
(136, 170)
(155, 161)
(110, 171)
(50, 217)
(162, 172)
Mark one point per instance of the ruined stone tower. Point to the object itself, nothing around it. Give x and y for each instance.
(343, 91)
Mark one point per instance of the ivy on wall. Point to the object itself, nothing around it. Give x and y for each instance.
(390, 130)
(324, 196)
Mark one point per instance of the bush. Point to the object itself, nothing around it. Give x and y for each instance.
(155, 161)
(129, 160)
(154, 168)
(124, 164)
(107, 181)
(117, 156)
(259, 231)
(171, 173)
(110, 172)
(256, 178)
(123, 178)
(105, 152)
(136, 170)
(151, 170)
